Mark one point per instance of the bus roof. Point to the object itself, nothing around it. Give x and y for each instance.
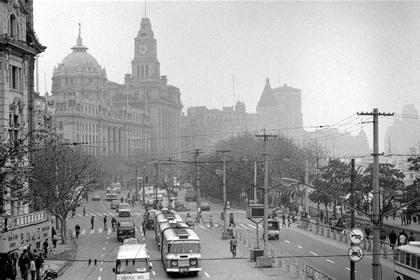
(186, 233)
(132, 251)
(413, 247)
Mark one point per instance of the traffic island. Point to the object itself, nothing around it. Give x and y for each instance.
(255, 253)
(264, 262)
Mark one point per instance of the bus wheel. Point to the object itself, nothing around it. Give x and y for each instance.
(194, 273)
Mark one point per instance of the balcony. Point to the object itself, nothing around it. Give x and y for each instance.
(27, 219)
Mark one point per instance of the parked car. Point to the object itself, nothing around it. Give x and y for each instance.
(126, 229)
(96, 197)
(205, 206)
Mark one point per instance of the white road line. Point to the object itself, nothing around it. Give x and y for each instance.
(202, 226)
(99, 278)
(102, 262)
(100, 269)
(300, 247)
(287, 241)
(105, 213)
(348, 268)
(100, 230)
(315, 254)
(102, 256)
(79, 215)
(254, 227)
(104, 248)
(107, 237)
(92, 231)
(109, 231)
(205, 273)
(106, 242)
(83, 231)
(153, 272)
(98, 214)
(92, 214)
(328, 260)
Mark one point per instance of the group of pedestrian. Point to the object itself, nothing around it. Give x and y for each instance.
(407, 218)
(283, 218)
(401, 239)
(29, 263)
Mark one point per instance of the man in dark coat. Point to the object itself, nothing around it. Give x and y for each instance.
(392, 238)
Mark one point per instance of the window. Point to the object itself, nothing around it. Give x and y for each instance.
(414, 261)
(407, 258)
(147, 70)
(60, 125)
(13, 26)
(15, 78)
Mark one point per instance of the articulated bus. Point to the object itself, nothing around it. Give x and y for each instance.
(163, 217)
(180, 250)
(407, 261)
(133, 262)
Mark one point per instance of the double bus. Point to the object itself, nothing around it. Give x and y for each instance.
(180, 250)
(407, 261)
(133, 262)
(164, 217)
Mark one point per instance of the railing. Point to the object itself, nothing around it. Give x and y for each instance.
(28, 219)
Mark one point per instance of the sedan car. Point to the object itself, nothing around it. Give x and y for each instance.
(96, 197)
(205, 206)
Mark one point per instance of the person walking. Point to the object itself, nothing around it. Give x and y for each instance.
(92, 222)
(392, 239)
(283, 217)
(77, 230)
(45, 247)
(233, 244)
(24, 264)
(143, 227)
(105, 220)
(54, 240)
(288, 220)
(84, 210)
(32, 268)
(39, 261)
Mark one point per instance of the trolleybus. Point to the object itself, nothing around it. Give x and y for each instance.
(407, 261)
(133, 262)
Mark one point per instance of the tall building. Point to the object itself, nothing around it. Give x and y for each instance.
(86, 113)
(19, 46)
(280, 110)
(403, 136)
(145, 88)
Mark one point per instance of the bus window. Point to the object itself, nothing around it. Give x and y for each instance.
(407, 258)
(132, 266)
(413, 261)
(186, 247)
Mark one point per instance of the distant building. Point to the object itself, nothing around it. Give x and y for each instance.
(19, 45)
(202, 128)
(404, 134)
(144, 88)
(85, 111)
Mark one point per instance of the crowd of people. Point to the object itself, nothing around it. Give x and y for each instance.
(29, 263)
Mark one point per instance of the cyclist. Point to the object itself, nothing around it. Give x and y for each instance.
(113, 223)
(233, 244)
(211, 221)
(77, 229)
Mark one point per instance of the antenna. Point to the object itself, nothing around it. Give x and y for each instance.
(37, 73)
(145, 8)
(233, 87)
(46, 92)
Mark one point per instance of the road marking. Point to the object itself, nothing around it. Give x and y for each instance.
(100, 269)
(79, 215)
(98, 214)
(287, 241)
(102, 256)
(103, 248)
(348, 268)
(100, 230)
(205, 273)
(83, 231)
(107, 237)
(109, 231)
(99, 278)
(254, 227)
(106, 242)
(104, 213)
(202, 226)
(92, 231)
(137, 214)
(153, 272)
(92, 214)
(300, 247)
(315, 254)
(328, 260)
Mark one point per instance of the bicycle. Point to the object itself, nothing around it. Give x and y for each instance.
(233, 251)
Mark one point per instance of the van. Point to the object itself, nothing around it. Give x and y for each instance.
(114, 204)
(124, 210)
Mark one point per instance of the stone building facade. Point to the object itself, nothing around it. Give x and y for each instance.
(144, 88)
(85, 111)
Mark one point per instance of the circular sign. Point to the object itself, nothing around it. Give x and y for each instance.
(356, 236)
(355, 253)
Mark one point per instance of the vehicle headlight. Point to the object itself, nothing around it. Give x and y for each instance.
(193, 261)
(174, 263)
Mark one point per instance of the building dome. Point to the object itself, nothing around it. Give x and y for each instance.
(80, 58)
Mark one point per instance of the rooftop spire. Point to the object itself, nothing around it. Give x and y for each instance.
(79, 44)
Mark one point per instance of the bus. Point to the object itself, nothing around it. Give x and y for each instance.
(133, 262)
(180, 250)
(111, 196)
(273, 229)
(407, 261)
(165, 216)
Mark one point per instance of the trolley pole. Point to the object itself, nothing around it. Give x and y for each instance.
(197, 178)
(224, 189)
(352, 178)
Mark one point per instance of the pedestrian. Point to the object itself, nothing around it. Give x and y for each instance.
(322, 217)
(393, 215)
(382, 237)
(418, 218)
(45, 247)
(32, 268)
(403, 221)
(84, 210)
(54, 240)
(392, 239)
(24, 264)
(283, 217)
(288, 220)
(113, 223)
(143, 227)
(402, 238)
(411, 237)
(77, 230)
(105, 218)
(92, 222)
(11, 266)
(408, 218)
(39, 261)
(53, 232)
(73, 212)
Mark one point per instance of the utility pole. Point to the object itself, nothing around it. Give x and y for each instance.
(224, 190)
(376, 218)
(170, 185)
(157, 181)
(265, 136)
(255, 183)
(144, 186)
(352, 202)
(305, 188)
(197, 179)
(137, 183)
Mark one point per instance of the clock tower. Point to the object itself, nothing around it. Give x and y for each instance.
(145, 65)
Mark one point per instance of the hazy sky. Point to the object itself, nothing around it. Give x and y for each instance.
(345, 56)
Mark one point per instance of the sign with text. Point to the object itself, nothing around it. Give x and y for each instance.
(255, 211)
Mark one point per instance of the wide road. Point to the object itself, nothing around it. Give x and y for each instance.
(327, 255)
(102, 245)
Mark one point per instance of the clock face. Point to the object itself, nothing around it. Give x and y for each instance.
(143, 49)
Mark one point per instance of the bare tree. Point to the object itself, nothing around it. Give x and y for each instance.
(62, 176)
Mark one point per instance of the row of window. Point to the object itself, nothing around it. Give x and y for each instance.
(408, 259)
(15, 78)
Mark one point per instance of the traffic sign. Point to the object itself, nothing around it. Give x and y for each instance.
(356, 236)
(355, 253)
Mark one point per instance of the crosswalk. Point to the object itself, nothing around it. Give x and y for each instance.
(99, 214)
(102, 231)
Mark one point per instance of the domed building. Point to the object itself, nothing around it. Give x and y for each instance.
(85, 112)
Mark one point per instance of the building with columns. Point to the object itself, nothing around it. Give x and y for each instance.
(86, 111)
(145, 89)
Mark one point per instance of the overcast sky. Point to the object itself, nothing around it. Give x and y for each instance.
(344, 56)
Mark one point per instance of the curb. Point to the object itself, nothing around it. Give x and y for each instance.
(70, 261)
